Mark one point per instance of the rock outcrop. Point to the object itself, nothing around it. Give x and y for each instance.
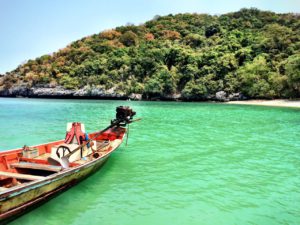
(221, 96)
(47, 91)
(236, 97)
(134, 96)
(60, 92)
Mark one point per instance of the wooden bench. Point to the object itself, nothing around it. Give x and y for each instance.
(36, 166)
(21, 176)
(3, 189)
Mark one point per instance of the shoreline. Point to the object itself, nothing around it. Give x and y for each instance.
(274, 103)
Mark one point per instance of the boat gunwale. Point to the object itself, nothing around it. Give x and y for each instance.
(33, 146)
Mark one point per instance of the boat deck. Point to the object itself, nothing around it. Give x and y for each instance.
(26, 170)
(44, 156)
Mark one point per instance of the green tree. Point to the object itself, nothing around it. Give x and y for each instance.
(194, 40)
(129, 39)
(277, 37)
(212, 30)
(194, 91)
(69, 82)
(292, 71)
(254, 78)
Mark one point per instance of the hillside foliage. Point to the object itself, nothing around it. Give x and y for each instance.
(253, 52)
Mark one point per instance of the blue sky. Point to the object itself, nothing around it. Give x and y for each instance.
(31, 28)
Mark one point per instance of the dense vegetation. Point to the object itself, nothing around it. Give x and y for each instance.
(253, 52)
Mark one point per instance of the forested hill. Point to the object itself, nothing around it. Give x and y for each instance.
(249, 53)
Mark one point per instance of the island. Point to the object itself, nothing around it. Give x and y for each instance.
(248, 54)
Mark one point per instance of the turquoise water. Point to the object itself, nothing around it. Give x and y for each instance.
(185, 164)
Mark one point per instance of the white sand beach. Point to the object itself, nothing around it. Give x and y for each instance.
(277, 102)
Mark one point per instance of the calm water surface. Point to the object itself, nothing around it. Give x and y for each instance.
(186, 163)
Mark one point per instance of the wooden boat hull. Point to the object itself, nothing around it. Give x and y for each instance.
(19, 199)
(19, 202)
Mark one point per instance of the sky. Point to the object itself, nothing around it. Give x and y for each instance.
(31, 28)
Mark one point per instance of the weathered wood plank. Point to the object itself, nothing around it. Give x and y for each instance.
(21, 176)
(3, 189)
(36, 166)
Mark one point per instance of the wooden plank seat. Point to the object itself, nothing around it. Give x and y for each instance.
(43, 161)
(3, 189)
(21, 176)
(36, 166)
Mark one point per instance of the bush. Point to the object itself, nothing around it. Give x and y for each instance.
(69, 82)
(129, 39)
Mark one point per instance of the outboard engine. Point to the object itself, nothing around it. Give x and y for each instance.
(124, 115)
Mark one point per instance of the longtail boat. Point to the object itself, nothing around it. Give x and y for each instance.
(31, 175)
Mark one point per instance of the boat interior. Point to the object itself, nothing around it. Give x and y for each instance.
(21, 166)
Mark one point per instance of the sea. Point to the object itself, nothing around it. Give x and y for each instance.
(185, 163)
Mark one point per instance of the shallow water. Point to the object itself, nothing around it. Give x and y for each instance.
(186, 163)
